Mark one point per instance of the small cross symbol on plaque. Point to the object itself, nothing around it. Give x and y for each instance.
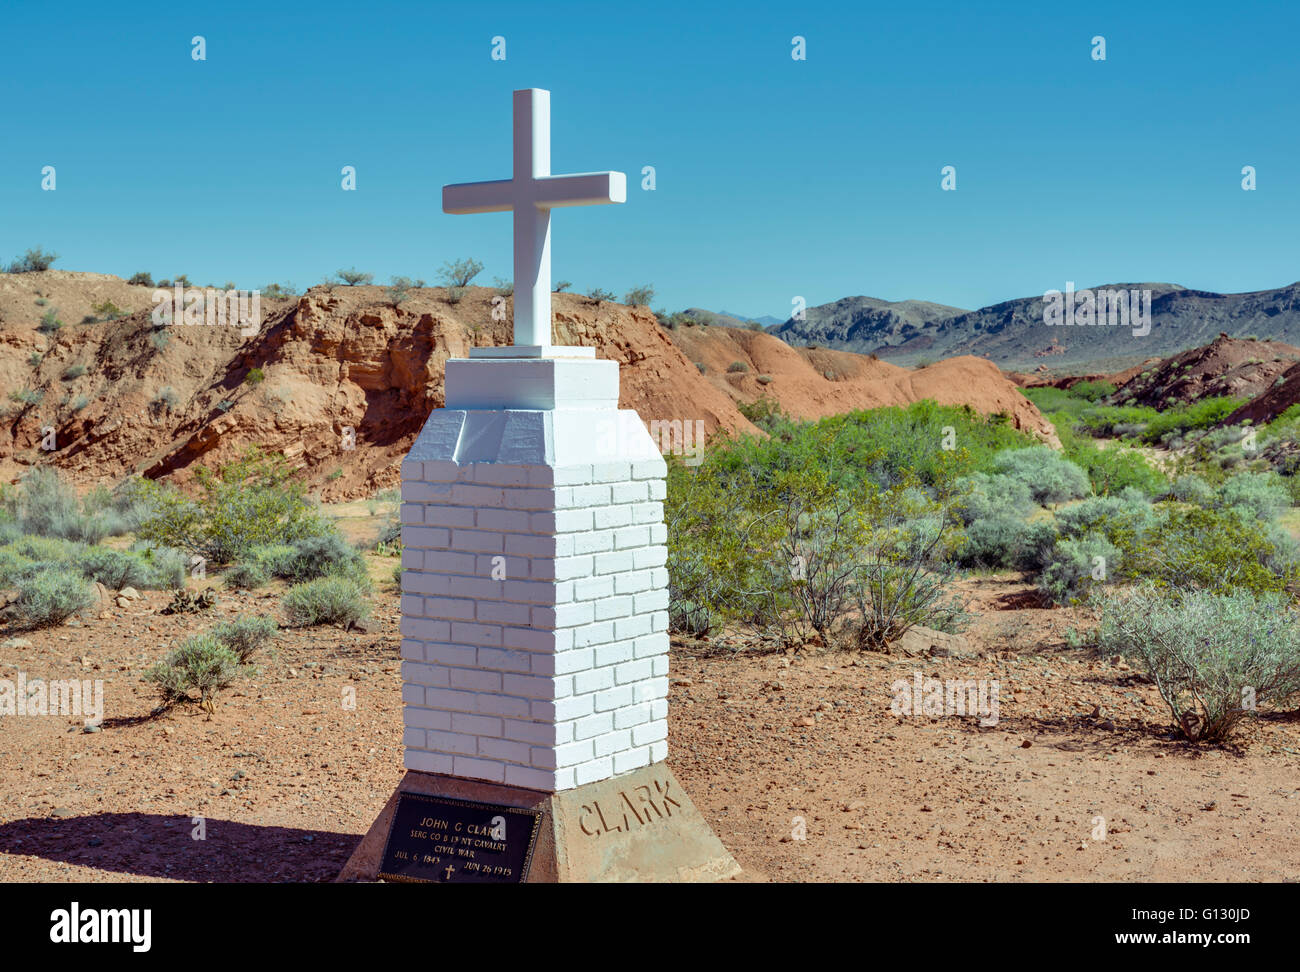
(531, 195)
(450, 868)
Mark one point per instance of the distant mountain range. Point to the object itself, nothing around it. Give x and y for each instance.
(1014, 334)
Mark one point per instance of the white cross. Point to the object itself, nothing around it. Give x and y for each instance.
(532, 194)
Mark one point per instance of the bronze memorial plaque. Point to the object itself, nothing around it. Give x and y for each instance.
(447, 841)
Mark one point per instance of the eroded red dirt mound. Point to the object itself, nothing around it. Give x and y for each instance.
(123, 396)
(1226, 366)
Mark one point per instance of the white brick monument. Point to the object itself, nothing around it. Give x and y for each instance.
(535, 599)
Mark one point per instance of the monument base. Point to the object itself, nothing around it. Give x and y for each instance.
(637, 827)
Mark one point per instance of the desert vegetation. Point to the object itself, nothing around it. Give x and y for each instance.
(849, 531)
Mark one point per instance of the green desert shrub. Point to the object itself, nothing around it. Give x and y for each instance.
(114, 568)
(245, 635)
(1006, 541)
(1051, 477)
(1192, 548)
(737, 367)
(1203, 414)
(194, 672)
(1191, 489)
(1261, 495)
(251, 502)
(166, 565)
(1114, 469)
(1213, 656)
(33, 261)
(984, 495)
(1075, 565)
(50, 597)
(1123, 519)
(335, 599)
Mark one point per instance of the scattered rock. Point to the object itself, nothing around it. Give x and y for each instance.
(919, 640)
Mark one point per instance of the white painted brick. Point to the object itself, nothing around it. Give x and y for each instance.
(529, 499)
(571, 568)
(430, 676)
(562, 521)
(659, 577)
(572, 475)
(531, 592)
(533, 733)
(530, 639)
(633, 715)
(659, 665)
(476, 587)
(530, 546)
(478, 496)
(412, 514)
(480, 769)
(562, 710)
(659, 709)
(634, 492)
(649, 732)
(528, 686)
(634, 671)
(413, 738)
(650, 601)
(412, 471)
(593, 634)
(533, 779)
(633, 627)
(597, 769)
(593, 725)
(587, 496)
(593, 680)
(450, 562)
(614, 653)
(649, 469)
(465, 633)
(614, 607)
(451, 609)
(425, 629)
(658, 489)
(505, 706)
(478, 541)
(412, 559)
(650, 556)
(510, 521)
(658, 533)
(658, 751)
(413, 694)
(423, 582)
(570, 754)
(425, 537)
(503, 613)
(562, 662)
(452, 742)
(609, 517)
(449, 516)
(652, 513)
(427, 762)
(412, 650)
(441, 471)
(411, 605)
(612, 742)
(499, 474)
(653, 644)
(445, 653)
(629, 537)
(426, 718)
(451, 700)
(631, 759)
(614, 698)
(504, 660)
(632, 581)
(563, 615)
(585, 590)
(613, 563)
(659, 621)
(504, 750)
(611, 472)
(477, 725)
(475, 679)
(597, 541)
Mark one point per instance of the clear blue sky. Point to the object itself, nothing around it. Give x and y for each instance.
(775, 178)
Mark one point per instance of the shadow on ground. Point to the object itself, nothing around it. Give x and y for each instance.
(151, 845)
